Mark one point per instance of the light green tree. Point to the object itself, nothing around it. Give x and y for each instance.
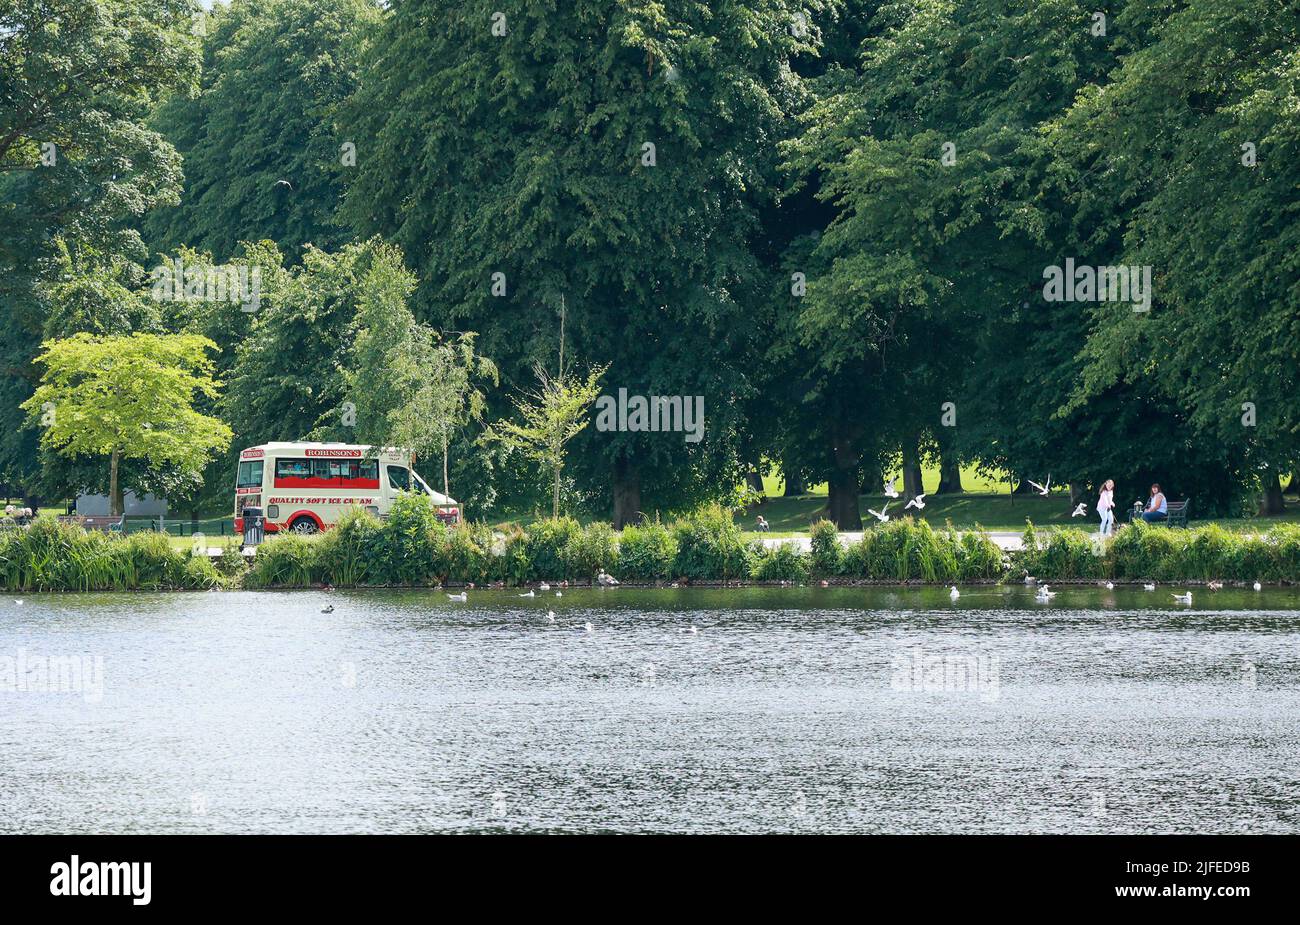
(128, 397)
(410, 386)
(554, 413)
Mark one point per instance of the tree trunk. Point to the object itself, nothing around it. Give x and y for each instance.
(911, 471)
(842, 500)
(754, 479)
(555, 495)
(446, 484)
(114, 498)
(949, 474)
(627, 493)
(794, 484)
(1077, 491)
(1271, 504)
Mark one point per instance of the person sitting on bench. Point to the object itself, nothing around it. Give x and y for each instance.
(1157, 508)
(762, 524)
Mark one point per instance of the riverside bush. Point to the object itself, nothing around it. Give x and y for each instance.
(285, 560)
(710, 546)
(780, 563)
(592, 549)
(1066, 553)
(826, 555)
(646, 552)
(547, 542)
(412, 547)
(905, 550)
(351, 553)
(50, 556)
(408, 548)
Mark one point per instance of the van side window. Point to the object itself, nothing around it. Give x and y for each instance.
(286, 468)
(399, 478)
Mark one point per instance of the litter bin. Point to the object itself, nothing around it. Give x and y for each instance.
(254, 526)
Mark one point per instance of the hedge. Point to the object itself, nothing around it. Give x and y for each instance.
(412, 548)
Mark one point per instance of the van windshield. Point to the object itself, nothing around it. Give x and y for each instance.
(250, 474)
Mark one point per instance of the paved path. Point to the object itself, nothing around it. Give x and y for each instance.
(1005, 540)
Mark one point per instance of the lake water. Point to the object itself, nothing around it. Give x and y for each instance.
(819, 710)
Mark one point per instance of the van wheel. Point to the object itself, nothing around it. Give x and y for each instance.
(304, 526)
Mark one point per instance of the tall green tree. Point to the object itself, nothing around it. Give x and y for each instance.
(410, 386)
(610, 155)
(263, 156)
(77, 165)
(1190, 157)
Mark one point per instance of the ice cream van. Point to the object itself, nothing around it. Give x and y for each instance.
(306, 487)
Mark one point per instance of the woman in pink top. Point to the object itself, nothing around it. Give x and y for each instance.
(1106, 507)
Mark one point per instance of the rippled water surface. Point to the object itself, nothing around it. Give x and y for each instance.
(838, 710)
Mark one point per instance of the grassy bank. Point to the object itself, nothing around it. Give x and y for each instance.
(412, 548)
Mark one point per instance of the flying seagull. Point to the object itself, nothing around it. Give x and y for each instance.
(284, 183)
(891, 488)
(1080, 510)
(880, 515)
(918, 502)
(1042, 489)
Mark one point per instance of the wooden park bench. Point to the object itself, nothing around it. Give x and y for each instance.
(1176, 512)
(102, 522)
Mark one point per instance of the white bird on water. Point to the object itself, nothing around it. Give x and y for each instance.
(529, 594)
(1258, 587)
(543, 587)
(1110, 586)
(1044, 594)
(1149, 586)
(891, 488)
(953, 593)
(550, 616)
(327, 609)
(588, 627)
(462, 597)
(1183, 598)
(1080, 510)
(918, 502)
(880, 515)
(1042, 489)
(559, 594)
(20, 603)
(1031, 580)
(692, 630)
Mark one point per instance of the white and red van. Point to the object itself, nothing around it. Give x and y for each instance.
(306, 487)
